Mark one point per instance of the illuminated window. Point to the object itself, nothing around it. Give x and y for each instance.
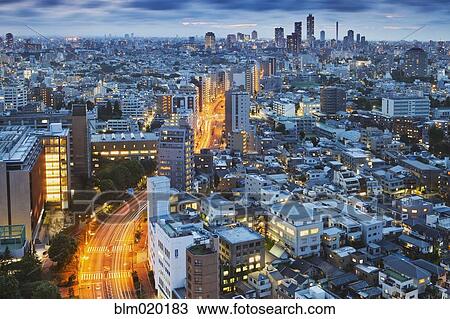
(314, 231)
(304, 233)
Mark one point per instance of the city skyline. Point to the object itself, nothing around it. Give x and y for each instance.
(381, 21)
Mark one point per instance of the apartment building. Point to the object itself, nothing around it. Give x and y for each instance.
(296, 228)
(241, 252)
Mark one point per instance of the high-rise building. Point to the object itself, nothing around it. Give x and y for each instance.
(210, 41)
(22, 178)
(279, 38)
(337, 31)
(231, 41)
(310, 28)
(237, 111)
(254, 35)
(358, 38)
(175, 155)
(158, 195)
(81, 155)
(252, 73)
(202, 270)
(415, 63)
(297, 36)
(332, 100)
(322, 36)
(9, 40)
(290, 42)
(351, 37)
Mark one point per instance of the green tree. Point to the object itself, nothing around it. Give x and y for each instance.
(106, 185)
(45, 290)
(6, 256)
(28, 269)
(62, 248)
(9, 287)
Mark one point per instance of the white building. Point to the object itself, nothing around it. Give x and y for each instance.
(218, 211)
(296, 228)
(396, 285)
(168, 241)
(407, 105)
(237, 111)
(132, 106)
(14, 96)
(158, 194)
(284, 107)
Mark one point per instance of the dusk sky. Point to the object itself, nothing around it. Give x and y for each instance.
(377, 19)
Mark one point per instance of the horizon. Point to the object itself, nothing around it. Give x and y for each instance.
(156, 18)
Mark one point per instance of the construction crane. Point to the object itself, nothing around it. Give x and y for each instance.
(413, 32)
(38, 33)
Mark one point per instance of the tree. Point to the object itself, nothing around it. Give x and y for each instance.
(106, 185)
(315, 141)
(28, 269)
(45, 290)
(62, 248)
(302, 135)
(9, 287)
(149, 166)
(6, 256)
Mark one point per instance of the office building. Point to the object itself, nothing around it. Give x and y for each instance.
(415, 63)
(158, 195)
(80, 157)
(22, 179)
(237, 111)
(9, 40)
(337, 31)
(279, 38)
(332, 100)
(254, 35)
(406, 106)
(210, 41)
(310, 28)
(175, 155)
(322, 36)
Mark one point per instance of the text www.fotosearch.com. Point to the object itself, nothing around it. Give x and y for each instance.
(235, 309)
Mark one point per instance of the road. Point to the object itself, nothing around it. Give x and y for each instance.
(107, 262)
(211, 121)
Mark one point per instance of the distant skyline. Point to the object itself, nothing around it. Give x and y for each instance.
(377, 20)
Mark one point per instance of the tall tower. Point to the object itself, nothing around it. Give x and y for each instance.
(337, 31)
(210, 41)
(279, 37)
(310, 28)
(176, 155)
(297, 36)
(322, 36)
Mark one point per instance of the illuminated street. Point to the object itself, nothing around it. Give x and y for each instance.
(211, 122)
(108, 259)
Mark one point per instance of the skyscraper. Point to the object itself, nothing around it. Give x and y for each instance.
(9, 40)
(297, 36)
(175, 155)
(254, 35)
(358, 38)
(290, 42)
(210, 41)
(237, 111)
(351, 36)
(310, 28)
(322, 35)
(416, 62)
(332, 100)
(81, 156)
(337, 31)
(279, 37)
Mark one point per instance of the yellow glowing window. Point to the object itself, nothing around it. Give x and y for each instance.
(304, 233)
(421, 281)
(225, 273)
(314, 231)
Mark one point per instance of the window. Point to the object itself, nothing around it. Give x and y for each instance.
(314, 231)
(176, 253)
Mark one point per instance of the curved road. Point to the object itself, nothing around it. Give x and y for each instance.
(107, 263)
